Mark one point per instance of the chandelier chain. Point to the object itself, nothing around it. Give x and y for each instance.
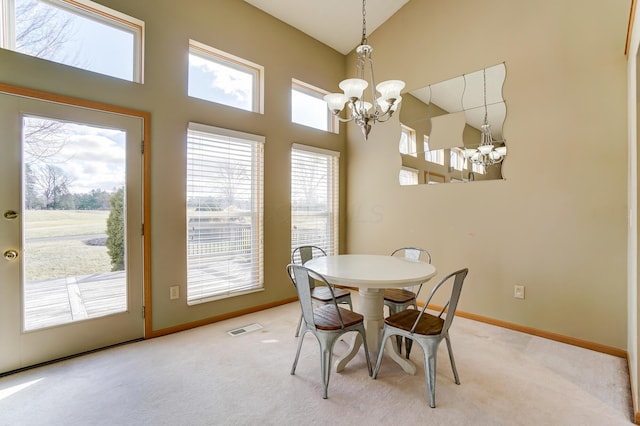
(364, 23)
(484, 78)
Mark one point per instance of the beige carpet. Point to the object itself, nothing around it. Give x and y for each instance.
(206, 377)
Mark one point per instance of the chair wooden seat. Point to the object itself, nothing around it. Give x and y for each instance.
(427, 330)
(400, 299)
(326, 321)
(399, 295)
(326, 317)
(323, 294)
(428, 325)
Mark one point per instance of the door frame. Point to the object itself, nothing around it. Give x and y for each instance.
(146, 174)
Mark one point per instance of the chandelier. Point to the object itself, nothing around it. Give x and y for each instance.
(486, 154)
(380, 107)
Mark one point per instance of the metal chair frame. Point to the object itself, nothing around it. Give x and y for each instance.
(300, 255)
(329, 331)
(412, 253)
(428, 342)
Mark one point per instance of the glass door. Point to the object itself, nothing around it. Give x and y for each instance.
(71, 205)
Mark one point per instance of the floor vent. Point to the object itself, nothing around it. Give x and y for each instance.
(245, 329)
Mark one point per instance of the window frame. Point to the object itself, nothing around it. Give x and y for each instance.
(257, 212)
(410, 134)
(218, 56)
(333, 197)
(333, 124)
(89, 10)
(414, 174)
(432, 156)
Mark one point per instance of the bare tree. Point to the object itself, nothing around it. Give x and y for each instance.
(42, 30)
(43, 139)
(54, 184)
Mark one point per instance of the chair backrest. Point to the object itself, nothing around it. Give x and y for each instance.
(301, 254)
(452, 304)
(413, 253)
(301, 279)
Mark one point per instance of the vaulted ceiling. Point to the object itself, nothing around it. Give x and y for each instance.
(336, 23)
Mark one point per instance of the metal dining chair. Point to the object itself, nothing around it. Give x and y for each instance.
(427, 330)
(326, 322)
(399, 299)
(319, 294)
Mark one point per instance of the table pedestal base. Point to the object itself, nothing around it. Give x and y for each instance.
(372, 307)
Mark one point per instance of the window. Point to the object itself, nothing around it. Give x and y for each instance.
(408, 176)
(78, 33)
(435, 156)
(309, 108)
(408, 141)
(457, 160)
(479, 168)
(314, 198)
(220, 77)
(224, 213)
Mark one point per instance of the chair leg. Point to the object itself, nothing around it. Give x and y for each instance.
(385, 336)
(430, 351)
(366, 348)
(325, 367)
(295, 361)
(299, 324)
(453, 363)
(408, 343)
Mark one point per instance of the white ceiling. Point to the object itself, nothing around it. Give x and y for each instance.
(336, 23)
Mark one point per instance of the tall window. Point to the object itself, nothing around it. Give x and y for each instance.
(224, 213)
(435, 156)
(80, 33)
(457, 160)
(314, 198)
(408, 141)
(309, 108)
(223, 78)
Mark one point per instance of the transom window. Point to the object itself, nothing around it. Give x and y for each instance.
(223, 78)
(224, 213)
(457, 160)
(435, 156)
(309, 108)
(408, 141)
(314, 198)
(408, 176)
(79, 33)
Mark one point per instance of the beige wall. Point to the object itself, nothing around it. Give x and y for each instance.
(633, 77)
(235, 27)
(557, 224)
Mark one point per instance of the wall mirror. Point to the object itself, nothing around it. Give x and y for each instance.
(452, 130)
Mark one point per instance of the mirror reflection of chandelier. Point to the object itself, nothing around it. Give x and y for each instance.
(365, 113)
(486, 154)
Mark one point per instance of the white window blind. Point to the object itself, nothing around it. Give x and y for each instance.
(408, 176)
(224, 213)
(314, 198)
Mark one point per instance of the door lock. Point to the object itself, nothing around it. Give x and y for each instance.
(10, 215)
(10, 254)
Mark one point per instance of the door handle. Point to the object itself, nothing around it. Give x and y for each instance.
(10, 254)
(10, 215)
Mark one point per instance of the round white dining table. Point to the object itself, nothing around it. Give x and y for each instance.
(371, 274)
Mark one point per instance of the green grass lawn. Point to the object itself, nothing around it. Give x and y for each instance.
(58, 258)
